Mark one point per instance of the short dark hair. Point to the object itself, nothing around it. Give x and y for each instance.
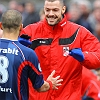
(62, 1)
(11, 19)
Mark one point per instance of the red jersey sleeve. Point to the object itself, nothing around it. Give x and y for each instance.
(91, 49)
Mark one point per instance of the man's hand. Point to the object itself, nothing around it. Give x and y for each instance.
(24, 39)
(50, 83)
(55, 81)
(77, 54)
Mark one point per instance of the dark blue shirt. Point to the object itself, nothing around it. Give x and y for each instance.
(17, 64)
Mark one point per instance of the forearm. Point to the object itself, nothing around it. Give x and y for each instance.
(92, 60)
(44, 87)
(50, 83)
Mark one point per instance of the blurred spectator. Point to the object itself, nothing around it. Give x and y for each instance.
(21, 9)
(41, 13)
(96, 3)
(12, 5)
(75, 14)
(94, 18)
(79, 15)
(97, 72)
(32, 14)
(85, 7)
(2, 9)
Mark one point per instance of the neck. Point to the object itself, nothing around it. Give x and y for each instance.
(10, 35)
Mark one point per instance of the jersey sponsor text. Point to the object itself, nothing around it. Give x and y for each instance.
(5, 89)
(9, 50)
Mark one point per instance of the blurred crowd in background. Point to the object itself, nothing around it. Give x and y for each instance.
(27, 9)
(82, 12)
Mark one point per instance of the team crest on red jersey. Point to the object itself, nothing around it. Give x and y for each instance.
(65, 51)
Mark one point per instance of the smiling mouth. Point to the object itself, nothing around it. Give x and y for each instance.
(51, 19)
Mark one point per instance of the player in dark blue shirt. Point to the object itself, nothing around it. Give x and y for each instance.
(19, 63)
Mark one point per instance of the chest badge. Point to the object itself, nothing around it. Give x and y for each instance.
(65, 51)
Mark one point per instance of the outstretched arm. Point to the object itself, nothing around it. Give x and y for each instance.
(51, 83)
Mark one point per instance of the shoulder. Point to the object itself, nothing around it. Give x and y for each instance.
(25, 50)
(35, 25)
(73, 24)
(29, 54)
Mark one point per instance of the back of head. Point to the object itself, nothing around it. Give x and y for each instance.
(11, 19)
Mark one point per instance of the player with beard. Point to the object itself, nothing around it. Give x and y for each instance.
(62, 46)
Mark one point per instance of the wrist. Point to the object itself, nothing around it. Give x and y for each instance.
(50, 84)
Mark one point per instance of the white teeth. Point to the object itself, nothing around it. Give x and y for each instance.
(51, 18)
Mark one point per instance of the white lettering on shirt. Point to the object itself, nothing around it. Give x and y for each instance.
(9, 50)
(5, 89)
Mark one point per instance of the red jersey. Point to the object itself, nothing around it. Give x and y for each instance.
(51, 44)
(90, 84)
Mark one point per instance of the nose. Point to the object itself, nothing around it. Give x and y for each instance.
(51, 13)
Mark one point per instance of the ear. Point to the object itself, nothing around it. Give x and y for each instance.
(0, 25)
(63, 9)
(21, 27)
